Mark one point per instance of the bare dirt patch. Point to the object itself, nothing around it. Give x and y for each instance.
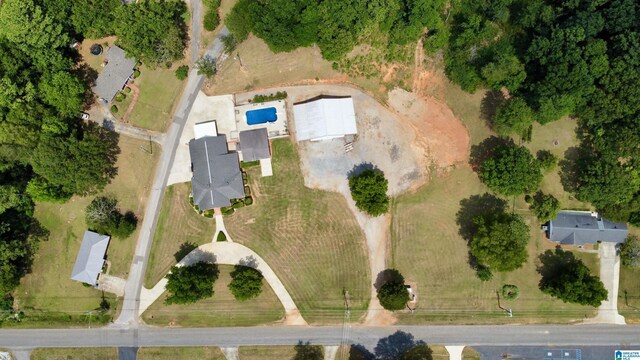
(442, 137)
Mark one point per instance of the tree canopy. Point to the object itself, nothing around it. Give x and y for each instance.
(188, 284)
(500, 241)
(630, 252)
(392, 293)
(545, 206)
(512, 170)
(569, 279)
(513, 116)
(369, 191)
(246, 282)
(103, 216)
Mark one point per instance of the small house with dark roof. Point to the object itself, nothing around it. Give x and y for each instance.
(216, 172)
(116, 73)
(581, 228)
(254, 146)
(91, 258)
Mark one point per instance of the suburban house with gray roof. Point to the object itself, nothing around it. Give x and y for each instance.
(216, 177)
(91, 258)
(583, 227)
(116, 73)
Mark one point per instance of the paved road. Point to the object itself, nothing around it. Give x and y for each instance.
(561, 335)
(129, 313)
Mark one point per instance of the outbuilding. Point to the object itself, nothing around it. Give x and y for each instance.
(324, 118)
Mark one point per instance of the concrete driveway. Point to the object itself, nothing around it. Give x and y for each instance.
(610, 276)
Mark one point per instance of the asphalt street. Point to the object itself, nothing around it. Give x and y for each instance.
(556, 335)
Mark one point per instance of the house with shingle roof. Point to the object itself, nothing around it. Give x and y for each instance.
(116, 73)
(583, 227)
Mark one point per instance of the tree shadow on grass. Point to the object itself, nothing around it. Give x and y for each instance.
(306, 351)
(388, 275)
(570, 168)
(391, 347)
(185, 249)
(490, 103)
(484, 150)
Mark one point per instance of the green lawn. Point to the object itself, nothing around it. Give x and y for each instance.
(75, 354)
(160, 91)
(309, 238)
(169, 353)
(178, 224)
(428, 250)
(47, 295)
(266, 352)
(220, 310)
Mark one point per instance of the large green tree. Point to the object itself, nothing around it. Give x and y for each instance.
(500, 242)
(153, 31)
(567, 278)
(369, 191)
(630, 252)
(512, 170)
(545, 206)
(513, 116)
(82, 163)
(246, 283)
(188, 284)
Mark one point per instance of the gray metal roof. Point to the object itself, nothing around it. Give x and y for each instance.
(216, 173)
(580, 228)
(90, 257)
(115, 74)
(254, 144)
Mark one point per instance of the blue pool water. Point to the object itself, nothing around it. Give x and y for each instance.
(261, 116)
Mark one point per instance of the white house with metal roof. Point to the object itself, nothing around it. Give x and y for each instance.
(91, 258)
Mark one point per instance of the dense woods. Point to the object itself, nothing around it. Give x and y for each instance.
(46, 152)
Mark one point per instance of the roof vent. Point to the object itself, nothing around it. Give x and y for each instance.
(594, 214)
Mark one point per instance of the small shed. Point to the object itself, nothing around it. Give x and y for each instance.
(325, 118)
(254, 145)
(91, 258)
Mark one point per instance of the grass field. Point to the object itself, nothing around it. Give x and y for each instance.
(309, 237)
(48, 289)
(266, 352)
(178, 224)
(428, 250)
(220, 310)
(75, 354)
(262, 68)
(159, 93)
(629, 306)
(169, 353)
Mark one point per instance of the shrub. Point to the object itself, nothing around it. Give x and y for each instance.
(484, 273)
(188, 284)
(127, 90)
(246, 283)
(227, 210)
(510, 292)
(207, 67)
(182, 72)
(136, 73)
(120, 96)
(547, 160)
(247, 190)
(545, 206)
(114, 109)
(211, 19)
(230, 43)
(6, 303)
(369, 191)
(248, 200)
(221, 237)
(238, 205)
(208, 213)
(630, 252)
(528, 199)
(280, 95)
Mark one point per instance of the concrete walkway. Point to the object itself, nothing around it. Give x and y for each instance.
(230, 253)
(610, 276)
(330, 352)
(455, 352)
(220, 228)
(231, 353)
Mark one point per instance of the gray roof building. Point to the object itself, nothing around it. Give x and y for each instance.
(580, 228)
(115, 74)
(90, 258)
(254, 144)
(216, 173)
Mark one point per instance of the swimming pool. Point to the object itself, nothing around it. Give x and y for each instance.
(261, 116)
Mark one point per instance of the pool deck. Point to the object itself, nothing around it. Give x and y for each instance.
(275, 129)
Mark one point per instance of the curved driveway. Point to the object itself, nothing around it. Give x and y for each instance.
(230, 253)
